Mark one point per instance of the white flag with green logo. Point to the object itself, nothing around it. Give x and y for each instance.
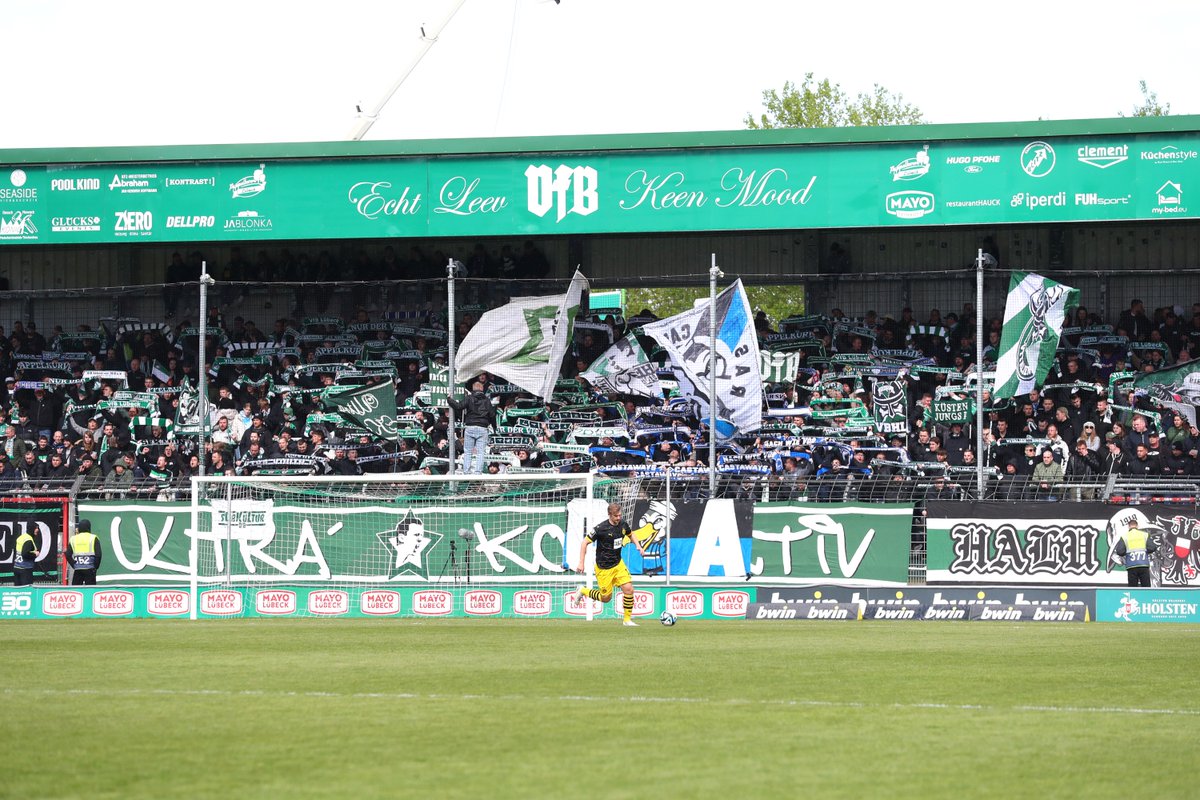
(524, 341)
(624, 369)
(1033, 322)
(779, 367)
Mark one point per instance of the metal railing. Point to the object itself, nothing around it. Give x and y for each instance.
(814, 490)
(758, 488)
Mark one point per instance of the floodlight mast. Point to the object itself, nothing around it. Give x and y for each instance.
(428, 39)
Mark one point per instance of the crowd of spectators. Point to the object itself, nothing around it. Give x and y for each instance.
(114, 403)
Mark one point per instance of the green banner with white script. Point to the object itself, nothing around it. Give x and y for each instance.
(957, 182)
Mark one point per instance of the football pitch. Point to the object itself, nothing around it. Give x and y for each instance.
(514, 708)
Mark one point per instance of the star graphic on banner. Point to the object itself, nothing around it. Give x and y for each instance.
(408, 543)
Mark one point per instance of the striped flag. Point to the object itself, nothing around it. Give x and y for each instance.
(1033, 322)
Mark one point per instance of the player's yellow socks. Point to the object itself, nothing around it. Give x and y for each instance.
(628, 601)
(592, 593)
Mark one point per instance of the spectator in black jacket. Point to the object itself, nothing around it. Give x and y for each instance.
(1083, 463)
(32, 469)
(44, 412)
(1134, 322)
(1140, 434)
(918, 450)
(956, 443)
(1143, 465)
(111, 455)
(57, 470)
(1177, 462)
(408, 383)
(257, 426)
(1115, 460)
(341, 465)
(1083, 467)
(25, 428)
(1027, 461)
(10, 476)
(478, 416)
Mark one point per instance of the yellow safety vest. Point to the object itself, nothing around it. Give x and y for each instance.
(18, 562)
(1135, 549)
(83, 548)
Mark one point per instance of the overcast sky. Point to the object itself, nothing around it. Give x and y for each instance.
(142, 72)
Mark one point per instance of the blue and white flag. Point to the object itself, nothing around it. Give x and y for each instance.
(685, 337)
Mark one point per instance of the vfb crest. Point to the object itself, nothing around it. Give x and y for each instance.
(1029, 344)
(552, 188)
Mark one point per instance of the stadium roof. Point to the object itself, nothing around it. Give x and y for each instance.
(606, 142)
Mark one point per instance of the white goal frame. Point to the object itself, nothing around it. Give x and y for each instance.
(584, 481)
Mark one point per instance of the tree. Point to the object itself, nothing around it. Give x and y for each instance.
(779, 302)
(1150, 107)
(826, 105)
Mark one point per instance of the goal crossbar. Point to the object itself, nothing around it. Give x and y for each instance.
(350, 534)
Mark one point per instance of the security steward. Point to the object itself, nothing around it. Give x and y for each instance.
(25, 553)
(1135, 548)
(83, 554)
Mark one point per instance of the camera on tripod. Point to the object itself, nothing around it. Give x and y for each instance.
(458, 571)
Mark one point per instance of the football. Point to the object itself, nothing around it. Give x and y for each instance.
(667, 618)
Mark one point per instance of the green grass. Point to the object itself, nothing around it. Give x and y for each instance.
(497, 708)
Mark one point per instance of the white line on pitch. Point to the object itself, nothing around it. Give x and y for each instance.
(577, 698)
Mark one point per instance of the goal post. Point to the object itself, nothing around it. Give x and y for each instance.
(387, 545)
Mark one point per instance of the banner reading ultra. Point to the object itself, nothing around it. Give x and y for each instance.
(261, 540)
(806, 542)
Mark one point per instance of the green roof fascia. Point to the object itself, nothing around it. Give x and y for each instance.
(774, 137)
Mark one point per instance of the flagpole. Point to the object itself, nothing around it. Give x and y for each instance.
(979, 375)
(713, 273)
(206, 280)
(450, 322)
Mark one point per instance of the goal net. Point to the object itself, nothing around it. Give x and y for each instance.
(388, 545)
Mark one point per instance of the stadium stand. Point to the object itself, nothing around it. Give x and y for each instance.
(107, 401)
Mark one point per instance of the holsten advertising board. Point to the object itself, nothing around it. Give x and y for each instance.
(1148, 605)
(560, 601)
(1056, 543)
(1151, 176)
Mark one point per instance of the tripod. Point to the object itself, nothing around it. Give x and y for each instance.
(451, 562)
